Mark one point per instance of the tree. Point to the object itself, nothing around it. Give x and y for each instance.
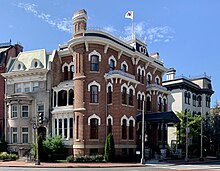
(109, 148)
(193, 122)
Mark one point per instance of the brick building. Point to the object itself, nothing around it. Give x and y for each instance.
(7, 50)
(108, 80)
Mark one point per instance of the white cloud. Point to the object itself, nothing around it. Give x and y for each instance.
(110, 29)
(61, 24)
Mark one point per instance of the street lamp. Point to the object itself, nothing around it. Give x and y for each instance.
(187, 138)
(201, 156)
(143, 137)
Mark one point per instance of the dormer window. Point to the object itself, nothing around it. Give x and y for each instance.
(35, 64)
(19, 66)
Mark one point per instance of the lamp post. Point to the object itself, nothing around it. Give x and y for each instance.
(143, 137)
(201, 155)
(187, 138)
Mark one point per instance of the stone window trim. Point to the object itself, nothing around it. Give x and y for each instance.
(22, 115)
(148, 95)
(132, 88)
(109, 117)
(36, 63)
(142, 95)
(94, 52)
(157, 78)
(124, 63)
(151, 77)
(126, 118)
(94, 83)
(132, 119)
(141, 70)
(94, 116)
(19, 66)
(109, 85)
(68, 65)
(127, 88)
(112, 58)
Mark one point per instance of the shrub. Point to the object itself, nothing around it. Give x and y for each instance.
(6, 156)
(86, 158)
(109, 148)
(70, 159)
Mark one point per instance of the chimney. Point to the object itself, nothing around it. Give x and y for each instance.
(171, 73)
(79, 21)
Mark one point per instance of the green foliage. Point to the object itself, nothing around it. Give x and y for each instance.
(109, 148)
(85, 159)
(6, 156)
(49, 149)
(3, 145)
(193, 123)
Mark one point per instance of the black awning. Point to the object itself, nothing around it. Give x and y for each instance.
(168, 117)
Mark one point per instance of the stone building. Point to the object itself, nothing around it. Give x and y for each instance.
(28, 93)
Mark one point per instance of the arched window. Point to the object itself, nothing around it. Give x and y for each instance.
(94, 63)
(124, 97)
(185, 96)
(94, 128)
(124, 66)
(71, 97)
(139, 74)
(124, 129)
(109, 94)
(157, 81)
(199, 101)
(93, 94)
(65, 76)
(160, 104)
(139, 101)
(148, 79)
(71, 72)
(130, 98)
(148, 106)
(142, 99)
(142, 77)
(109, 126)
(131, 131)
(112, 65)
(189, 97)
(164, 105)
(62, 98)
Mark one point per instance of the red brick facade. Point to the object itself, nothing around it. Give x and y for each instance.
(100, 44)
(6, 51)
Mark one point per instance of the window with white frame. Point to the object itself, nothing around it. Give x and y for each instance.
(14, 135)
(14, 111)
(24, 111)
(60, 123)
(35, 86)
(24, 132)
(65, 128)
(18, 88)
(71, 127)
(27, 87)
(55, 125)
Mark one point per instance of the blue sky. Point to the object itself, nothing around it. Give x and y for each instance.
(185, 33)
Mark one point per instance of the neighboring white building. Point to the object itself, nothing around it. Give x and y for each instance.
(28, 85)
(189, 94)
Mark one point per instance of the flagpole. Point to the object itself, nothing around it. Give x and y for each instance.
(133, 36)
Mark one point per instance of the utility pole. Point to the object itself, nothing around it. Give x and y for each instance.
(143, 137)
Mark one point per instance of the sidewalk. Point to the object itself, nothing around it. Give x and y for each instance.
(103, 165)
(67, 165)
